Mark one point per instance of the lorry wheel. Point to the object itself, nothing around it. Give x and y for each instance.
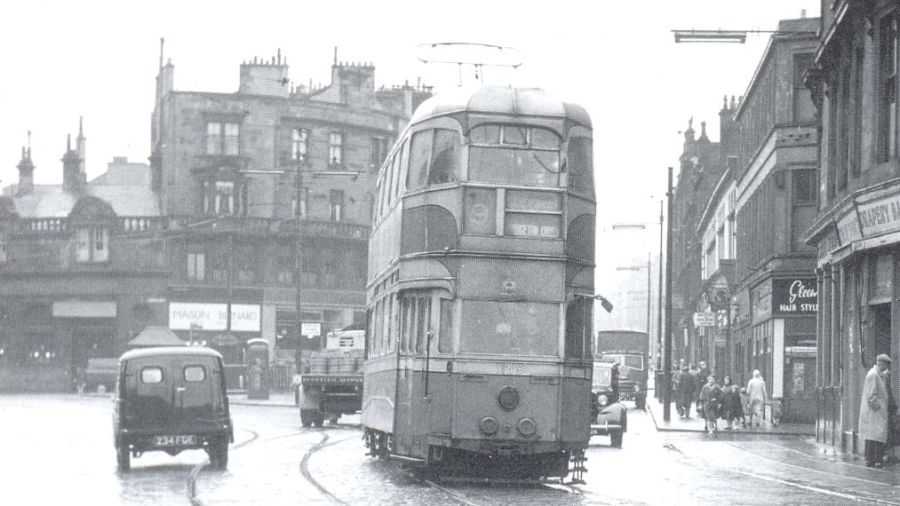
(306, 417)
(319, 419)
(615, 439)
(123, 457)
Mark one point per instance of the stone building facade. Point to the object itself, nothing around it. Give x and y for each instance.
(857, 228)
(255, 181)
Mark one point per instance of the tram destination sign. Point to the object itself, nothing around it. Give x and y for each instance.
(794, 296)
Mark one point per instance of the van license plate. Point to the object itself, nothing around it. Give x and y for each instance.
(174, 440)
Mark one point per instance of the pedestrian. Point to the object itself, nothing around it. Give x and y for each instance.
(685, 393)
(676, 388)
(731, 402)
(756, 389)
(701, 373)
(873, 412)
(745, 404)
(698, 382)
(711, 395)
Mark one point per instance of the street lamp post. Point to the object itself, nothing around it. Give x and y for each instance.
(667, 346)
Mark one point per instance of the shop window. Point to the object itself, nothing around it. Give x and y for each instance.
(92, 244)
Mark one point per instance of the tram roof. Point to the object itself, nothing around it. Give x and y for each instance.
(501, 100)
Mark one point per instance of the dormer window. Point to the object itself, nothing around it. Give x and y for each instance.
(91, 244)
(335, 148)
(222, 138)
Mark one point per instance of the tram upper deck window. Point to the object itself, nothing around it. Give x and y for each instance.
(433, 158)
(515, 155)
(581, 177)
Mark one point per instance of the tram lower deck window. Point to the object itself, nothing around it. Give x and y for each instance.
(509, 328)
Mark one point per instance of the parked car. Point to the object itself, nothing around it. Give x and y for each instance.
(609, 417)
(171, 399)
(100, 374)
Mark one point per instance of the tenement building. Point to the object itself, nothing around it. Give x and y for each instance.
(267, 193)
(857, 229)
(746, 276)
(81, 267)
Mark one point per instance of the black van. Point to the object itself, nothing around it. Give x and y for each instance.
(171, 399)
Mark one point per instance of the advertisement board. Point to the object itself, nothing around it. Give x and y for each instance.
(203, 316)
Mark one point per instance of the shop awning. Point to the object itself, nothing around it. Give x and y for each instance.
(156, 335)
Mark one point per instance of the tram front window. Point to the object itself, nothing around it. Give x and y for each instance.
(514, 166)
(510, 328)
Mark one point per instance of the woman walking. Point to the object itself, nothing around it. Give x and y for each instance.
(711, 395)
(731, 403)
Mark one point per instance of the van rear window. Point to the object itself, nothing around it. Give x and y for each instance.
(151, 375)
(194, 373)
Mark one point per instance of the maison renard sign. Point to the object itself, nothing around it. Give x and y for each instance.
(794, 296)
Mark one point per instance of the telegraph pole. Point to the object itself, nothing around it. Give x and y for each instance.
(667, 349)
(659, 288)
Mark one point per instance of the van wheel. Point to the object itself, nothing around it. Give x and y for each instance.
(640, 403)
(218, 454)
(123, 457)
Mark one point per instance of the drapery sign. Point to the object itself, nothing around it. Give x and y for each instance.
(795, 296)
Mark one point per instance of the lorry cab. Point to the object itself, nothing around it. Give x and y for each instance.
(171, 399)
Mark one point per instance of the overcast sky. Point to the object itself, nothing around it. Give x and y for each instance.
(98, 59)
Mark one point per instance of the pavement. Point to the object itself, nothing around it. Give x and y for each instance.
(275, 399)
(698, 424)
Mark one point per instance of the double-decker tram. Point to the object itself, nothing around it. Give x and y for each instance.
(481, 265)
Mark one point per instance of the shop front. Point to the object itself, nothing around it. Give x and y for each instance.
(859, 317)
(780, 343)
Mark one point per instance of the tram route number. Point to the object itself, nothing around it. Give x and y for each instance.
(174, 440)
(512, 368)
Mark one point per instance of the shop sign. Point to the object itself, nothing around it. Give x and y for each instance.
(310, 330)
(879, 216)
(848, 229)
(245, 317)
(795, 296)
(205, 316)
(704, 319)
(201, 316)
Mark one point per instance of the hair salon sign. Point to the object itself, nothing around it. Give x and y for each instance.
(794, 296)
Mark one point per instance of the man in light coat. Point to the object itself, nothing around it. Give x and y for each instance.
(756, 390)
(873, 412)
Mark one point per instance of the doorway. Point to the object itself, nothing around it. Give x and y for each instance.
(881, 329)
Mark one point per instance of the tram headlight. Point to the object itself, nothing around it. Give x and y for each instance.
(508, 398)
(603, 400)
(488, 426)
(527, 427)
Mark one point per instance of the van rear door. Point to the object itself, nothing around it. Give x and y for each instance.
(196, 392)
(150, 395)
